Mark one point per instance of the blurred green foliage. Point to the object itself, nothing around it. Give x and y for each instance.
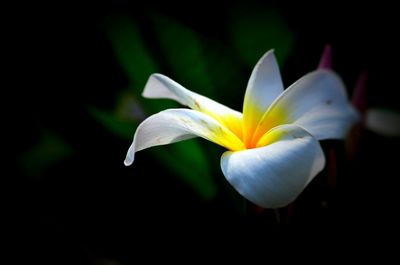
(49, 150)
(255, 30)
(136, 61)
(138, 65)
(184, 54)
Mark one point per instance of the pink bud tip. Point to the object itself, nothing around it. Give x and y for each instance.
(326, 58)
(359, 98)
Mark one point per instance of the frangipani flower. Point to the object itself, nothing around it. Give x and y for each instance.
(273, 149)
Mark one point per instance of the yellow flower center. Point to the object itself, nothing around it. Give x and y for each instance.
(254, 132)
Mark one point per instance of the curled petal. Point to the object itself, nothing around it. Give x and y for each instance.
(175, 125)
(317, 102)
(264, 86)
(274, 175)
(161, 86)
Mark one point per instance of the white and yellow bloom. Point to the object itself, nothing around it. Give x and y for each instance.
(273, 149)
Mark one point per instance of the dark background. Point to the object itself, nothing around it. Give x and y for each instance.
(89, 207)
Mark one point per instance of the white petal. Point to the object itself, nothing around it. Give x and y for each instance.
(274, 175)
(175, 125)
(264, 86)
(161, 86)
(317, 102)
(384, 122)
(265, 83)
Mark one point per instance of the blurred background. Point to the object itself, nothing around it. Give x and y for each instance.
(77, 101)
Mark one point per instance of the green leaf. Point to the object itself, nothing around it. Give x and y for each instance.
(184, 54)
(134, 58)
(118, 125)
(50, 149)
(186, 159)
(226, 73)
(130, 50)
(255, 30)
(189, 162)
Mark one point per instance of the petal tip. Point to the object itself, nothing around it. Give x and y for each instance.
(130, 157)
(269, 53)
(157, 76)
(127, 162)
(154, 86)
(149, 87)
